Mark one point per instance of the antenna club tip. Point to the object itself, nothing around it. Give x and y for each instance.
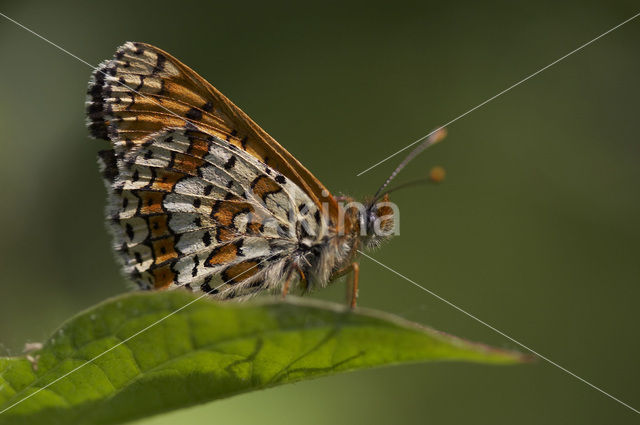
(438, 135)
(437, 174)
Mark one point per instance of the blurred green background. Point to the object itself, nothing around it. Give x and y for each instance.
(536, 229)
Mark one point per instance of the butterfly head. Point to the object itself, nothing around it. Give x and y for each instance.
(378, 221)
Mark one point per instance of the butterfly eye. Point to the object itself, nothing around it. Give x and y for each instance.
(380, 221)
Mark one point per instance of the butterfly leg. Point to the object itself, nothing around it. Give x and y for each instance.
(353, 270)
(303, 280)
(287, 283)
(352, 284)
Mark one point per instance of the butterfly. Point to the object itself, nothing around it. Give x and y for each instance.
(201, 197)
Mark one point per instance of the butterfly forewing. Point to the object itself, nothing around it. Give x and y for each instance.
(144, 90)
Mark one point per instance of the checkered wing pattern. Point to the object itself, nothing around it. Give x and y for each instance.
(190, 209)
(200, 196)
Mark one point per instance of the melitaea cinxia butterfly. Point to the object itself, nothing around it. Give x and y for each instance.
(201, 197)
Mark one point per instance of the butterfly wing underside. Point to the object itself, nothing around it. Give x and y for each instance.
(200, 196)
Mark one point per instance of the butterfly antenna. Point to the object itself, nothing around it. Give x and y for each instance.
(434, 177)
(431, 139)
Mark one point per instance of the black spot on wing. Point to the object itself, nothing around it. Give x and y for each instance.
(141, 83)
(129, 231)
(194, 114)
(232, 134)
(215, 208)
(196, 261)
(159, 64)
(238, 245)
(110, 165)
(206, 287)
(230, 163)
(139, 49)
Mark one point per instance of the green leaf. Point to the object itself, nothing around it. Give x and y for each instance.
(205, 351)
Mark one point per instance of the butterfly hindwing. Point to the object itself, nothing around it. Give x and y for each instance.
(190, 209)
